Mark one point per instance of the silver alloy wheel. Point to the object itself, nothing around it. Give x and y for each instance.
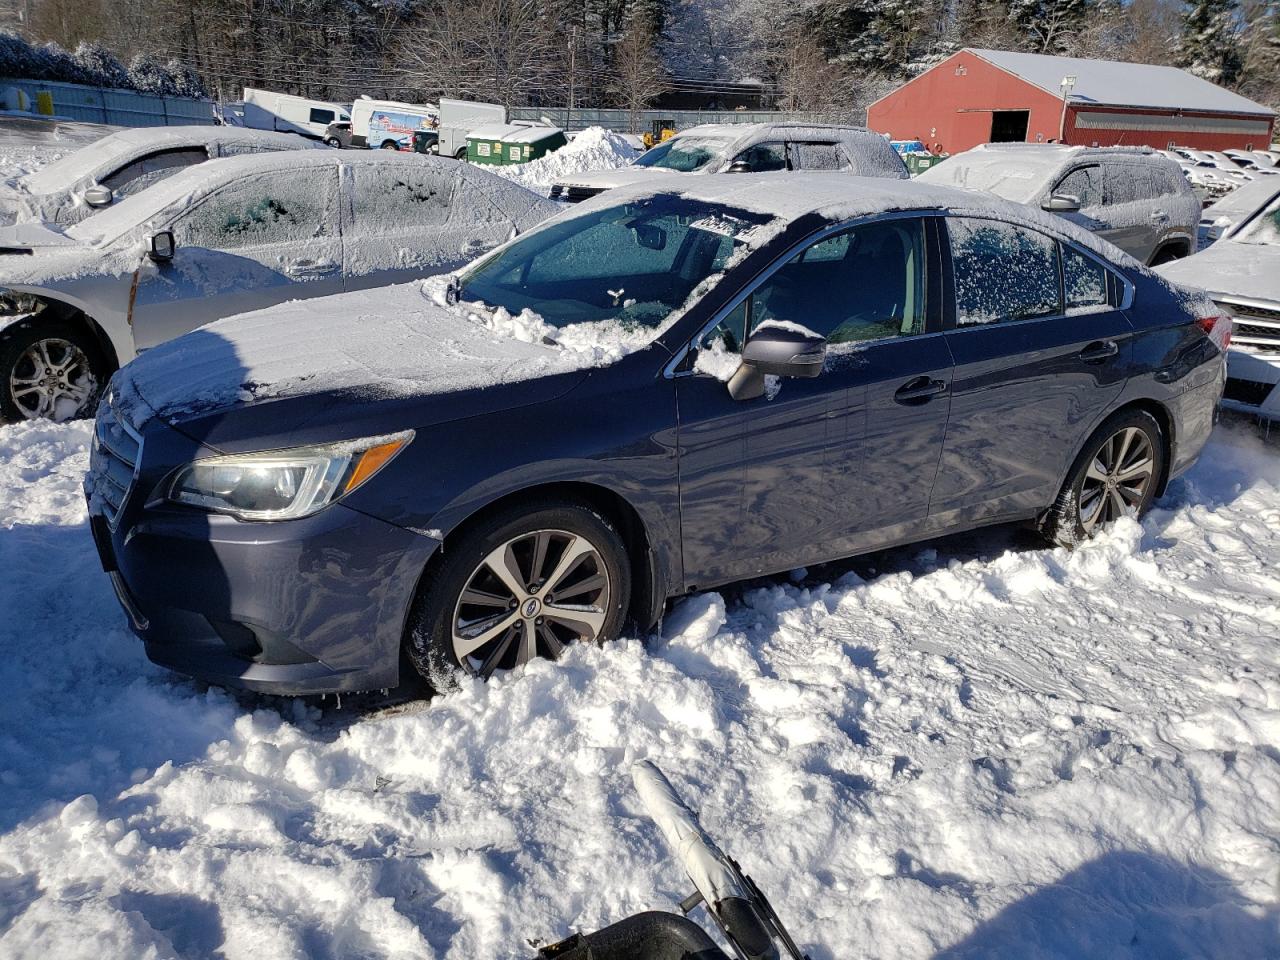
(51, 380)
(529, 598)
(1118, 478)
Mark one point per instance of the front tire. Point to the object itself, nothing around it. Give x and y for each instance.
(1117, 474)
(390, 145)
(524, 583)
(49, 371)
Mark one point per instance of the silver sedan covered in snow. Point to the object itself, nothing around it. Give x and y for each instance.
(124, 163)
(232, 235)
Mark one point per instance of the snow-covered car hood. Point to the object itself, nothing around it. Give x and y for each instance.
(398, 341)
(33, 236)
(1230, 269)
(609, 179)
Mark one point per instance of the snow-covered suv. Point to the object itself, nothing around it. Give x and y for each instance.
(1132, 196)
(747, 148)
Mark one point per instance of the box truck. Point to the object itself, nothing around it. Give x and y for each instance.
(460, 117)
(390, 124)
(265, 110)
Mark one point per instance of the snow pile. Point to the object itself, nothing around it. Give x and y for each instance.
(593, 149)
(979, 748)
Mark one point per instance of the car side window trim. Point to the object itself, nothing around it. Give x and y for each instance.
(678, 365)
(1115, 280)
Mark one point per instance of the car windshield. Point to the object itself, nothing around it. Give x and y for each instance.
(630, 265)
(1263, 228)
(684, 154)
(1002, 175)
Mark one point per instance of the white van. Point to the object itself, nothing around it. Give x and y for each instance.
(459, 117)
(389, 124)
(266, 110)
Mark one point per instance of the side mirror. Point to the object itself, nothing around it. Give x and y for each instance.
(161, 246)
(785, 350)
(1061, 203)
(739, 166)
(99, 196)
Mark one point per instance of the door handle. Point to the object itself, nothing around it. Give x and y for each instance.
(1160, 216)
(1099, 350)
(918, 391)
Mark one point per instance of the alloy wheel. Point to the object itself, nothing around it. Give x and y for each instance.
(1118, 478)
(52, 379)
(530, 597)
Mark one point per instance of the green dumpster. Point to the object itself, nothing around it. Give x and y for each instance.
(918, 161)
(507, 143)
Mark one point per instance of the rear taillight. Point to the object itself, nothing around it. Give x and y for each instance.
(1217, 328)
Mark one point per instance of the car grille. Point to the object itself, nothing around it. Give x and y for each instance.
(1254, 325)
(113, 462)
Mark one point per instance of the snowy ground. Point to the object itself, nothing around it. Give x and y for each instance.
(593, 149)
(977, 748)
(980, 748)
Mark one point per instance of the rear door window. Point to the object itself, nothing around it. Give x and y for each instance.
(1084, 280)
(1002, 272)
(818, 156)
(397, 197)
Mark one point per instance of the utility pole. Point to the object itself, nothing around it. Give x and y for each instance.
(573, 55)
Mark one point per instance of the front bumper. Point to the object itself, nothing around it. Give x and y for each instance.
(309, 606)
(1252, 380)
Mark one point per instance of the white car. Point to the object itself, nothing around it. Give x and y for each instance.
(1229, 210)
(746, 148)
(1241, 272)
(230, 236)
(1252, 162)
(124, 163)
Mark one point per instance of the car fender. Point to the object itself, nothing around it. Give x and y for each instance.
(104, 301)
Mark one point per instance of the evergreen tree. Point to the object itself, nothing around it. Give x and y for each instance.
(1210, 45)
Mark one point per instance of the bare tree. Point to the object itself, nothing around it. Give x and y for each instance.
(638, 72)
(806, 79)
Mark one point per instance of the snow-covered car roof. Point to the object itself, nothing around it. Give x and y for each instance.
(852, 138)
(196, 181)
(842, 196)
(1020, 171)
(83, 162)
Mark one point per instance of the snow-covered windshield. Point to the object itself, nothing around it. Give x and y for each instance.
(684, 154)
(1002, 175)
(1263, 228)
(66, 171)
(629, 266)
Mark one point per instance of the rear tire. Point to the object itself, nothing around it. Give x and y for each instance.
(49, 370)
(1116, 474)
(1168, 255)
(473, 618)
(334, 142)
(461, 154)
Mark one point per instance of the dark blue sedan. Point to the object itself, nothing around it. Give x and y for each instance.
(652, 394)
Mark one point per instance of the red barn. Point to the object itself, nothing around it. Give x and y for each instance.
(986, 96)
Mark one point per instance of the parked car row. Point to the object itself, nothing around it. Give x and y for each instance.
(673, 385)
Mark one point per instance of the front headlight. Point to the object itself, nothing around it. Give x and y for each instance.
(283, 484)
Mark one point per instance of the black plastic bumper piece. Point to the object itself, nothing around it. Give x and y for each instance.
(654, 935)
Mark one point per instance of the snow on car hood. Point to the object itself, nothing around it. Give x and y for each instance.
(1230, 269)
(621, 177)
(401, 340)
